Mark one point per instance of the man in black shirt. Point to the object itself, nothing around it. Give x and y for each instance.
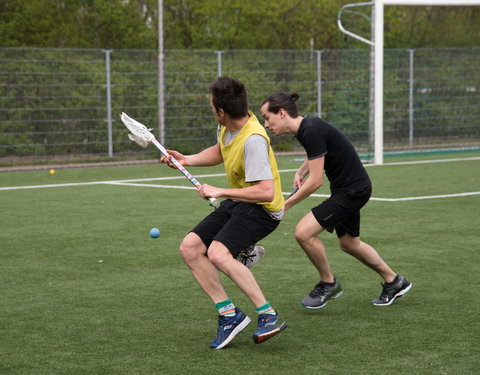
(329, 150)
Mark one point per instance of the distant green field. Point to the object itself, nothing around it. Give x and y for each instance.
(85, 290)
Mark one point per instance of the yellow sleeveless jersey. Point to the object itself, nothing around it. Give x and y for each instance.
(233, 159)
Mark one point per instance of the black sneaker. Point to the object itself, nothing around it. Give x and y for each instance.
(392, 291)
(251, 255)
(322, 292)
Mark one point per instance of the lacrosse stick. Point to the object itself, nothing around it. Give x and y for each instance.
(295, 189)
(142, 136)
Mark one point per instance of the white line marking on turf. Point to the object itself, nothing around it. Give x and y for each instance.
(312, 195)
(413, 162)
(424, 161)
(149, 185)
(109, 182)
(180, 177)
(50, 186)
(426, 197)
(409, 198)
(134, 182)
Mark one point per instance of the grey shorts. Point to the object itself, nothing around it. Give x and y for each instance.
(237, 225)
(342, 211)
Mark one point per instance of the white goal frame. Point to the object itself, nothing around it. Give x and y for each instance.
(378, 43)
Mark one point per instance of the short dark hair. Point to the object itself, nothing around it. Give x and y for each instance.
(281, 100)
(230, 95)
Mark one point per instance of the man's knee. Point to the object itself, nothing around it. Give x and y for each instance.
(301, 235)
(192, 247)
(348, 243)
(307, 229)
(219, 255)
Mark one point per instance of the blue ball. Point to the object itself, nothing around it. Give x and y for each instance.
(154, 232)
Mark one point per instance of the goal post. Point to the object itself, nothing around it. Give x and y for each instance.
(378, 45)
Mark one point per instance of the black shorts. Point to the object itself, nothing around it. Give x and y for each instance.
(342, 211)
(237, 225)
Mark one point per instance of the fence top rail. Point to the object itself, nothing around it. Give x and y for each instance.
(232, 50)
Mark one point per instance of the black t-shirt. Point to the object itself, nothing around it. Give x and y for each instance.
(342, 166)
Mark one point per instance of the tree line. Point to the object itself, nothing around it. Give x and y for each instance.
(227, 24)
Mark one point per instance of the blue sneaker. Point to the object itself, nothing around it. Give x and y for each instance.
(268, 326)
(229, 327)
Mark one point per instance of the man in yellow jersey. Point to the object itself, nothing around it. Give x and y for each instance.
(252, 209)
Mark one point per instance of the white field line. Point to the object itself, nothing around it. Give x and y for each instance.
(119, 183)
(426, 197)
(49, 186)
(314, 195)
(423, 162)
(134, 182)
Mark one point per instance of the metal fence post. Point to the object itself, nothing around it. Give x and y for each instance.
(371, 87)
(109, 101)
(319, 83)
(410, 99)
(219, 63)
(161, 75)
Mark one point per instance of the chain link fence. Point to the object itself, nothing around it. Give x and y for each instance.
(65, 103)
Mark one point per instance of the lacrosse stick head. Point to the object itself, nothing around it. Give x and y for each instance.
(139, 132)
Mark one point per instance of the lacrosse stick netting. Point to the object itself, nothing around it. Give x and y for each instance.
(141, 135)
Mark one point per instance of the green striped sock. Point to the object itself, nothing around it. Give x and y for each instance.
(226, 308)
(265, 309)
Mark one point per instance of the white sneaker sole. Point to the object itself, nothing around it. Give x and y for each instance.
(245, 322)
(325, 304)
(398, 295)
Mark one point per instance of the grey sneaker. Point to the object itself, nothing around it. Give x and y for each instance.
(322, 292)
(251, 255)
(392, 291)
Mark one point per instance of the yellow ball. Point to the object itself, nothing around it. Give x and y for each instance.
(52, 171)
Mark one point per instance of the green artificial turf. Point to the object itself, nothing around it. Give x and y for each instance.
(85, 290)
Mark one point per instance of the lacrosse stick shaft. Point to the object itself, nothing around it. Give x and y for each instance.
(213, 201)
(295, 189)
(142, 136)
